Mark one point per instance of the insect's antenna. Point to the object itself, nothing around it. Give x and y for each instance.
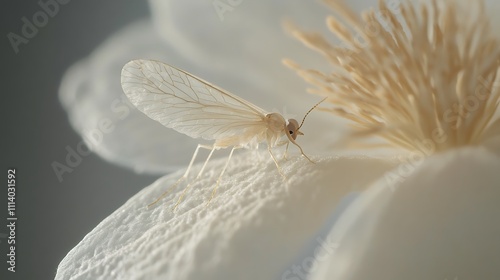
(314, 107)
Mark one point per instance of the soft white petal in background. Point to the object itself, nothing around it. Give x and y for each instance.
(253, 229)
(92, 95)
(248, 42)
(441, 222)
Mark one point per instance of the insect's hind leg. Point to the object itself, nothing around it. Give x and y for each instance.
(174, 186)
(222, 173)
(212, 149)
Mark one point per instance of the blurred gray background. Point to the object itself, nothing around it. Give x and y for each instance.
(53, 217)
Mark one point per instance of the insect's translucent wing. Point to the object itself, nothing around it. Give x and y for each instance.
(186, 103)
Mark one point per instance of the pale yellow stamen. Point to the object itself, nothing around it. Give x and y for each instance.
(426, 72)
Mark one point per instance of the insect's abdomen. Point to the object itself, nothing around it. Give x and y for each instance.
(249, 138)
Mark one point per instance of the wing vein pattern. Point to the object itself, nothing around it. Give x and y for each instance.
(188, 104)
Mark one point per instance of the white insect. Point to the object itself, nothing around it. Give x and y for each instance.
(198, 109)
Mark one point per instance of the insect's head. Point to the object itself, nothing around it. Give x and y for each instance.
(292, 128)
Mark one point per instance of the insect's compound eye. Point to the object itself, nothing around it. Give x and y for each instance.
(291, 132)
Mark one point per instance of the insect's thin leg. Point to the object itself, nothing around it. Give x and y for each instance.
(197, 176)
(276, 162)
(285, 155)
(220, 176)
(281, 143)
(257, 155)
(302, 152)
(165, 193)
(300, 148)
(174, 186)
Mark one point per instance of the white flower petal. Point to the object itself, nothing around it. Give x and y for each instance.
(441, 222)
(248, 38)
(253, 228)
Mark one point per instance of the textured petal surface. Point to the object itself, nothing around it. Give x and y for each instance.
(253, 228)
(433, 220)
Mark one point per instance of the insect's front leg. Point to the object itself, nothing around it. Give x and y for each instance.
(276, 162)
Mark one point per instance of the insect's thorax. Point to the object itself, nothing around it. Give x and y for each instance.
(275, 122)
(275, 127)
